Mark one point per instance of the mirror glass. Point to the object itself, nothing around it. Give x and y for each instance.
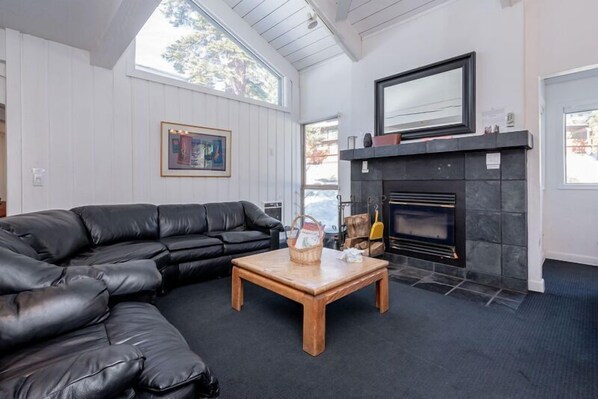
(431, 101)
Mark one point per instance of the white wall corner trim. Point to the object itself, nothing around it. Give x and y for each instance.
(536, 285)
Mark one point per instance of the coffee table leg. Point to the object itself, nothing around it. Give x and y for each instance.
(237, 290)
(382, 293)
(314, 325)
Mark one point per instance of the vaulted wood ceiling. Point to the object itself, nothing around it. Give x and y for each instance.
(284, 23)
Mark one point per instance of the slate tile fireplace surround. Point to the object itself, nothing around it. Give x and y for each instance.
(489, 221)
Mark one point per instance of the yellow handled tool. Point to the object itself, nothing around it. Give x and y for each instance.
(377, 231)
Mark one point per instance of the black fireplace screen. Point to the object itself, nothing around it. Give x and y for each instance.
(423, 222)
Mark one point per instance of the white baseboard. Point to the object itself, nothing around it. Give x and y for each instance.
(583, 259)
(536, 285)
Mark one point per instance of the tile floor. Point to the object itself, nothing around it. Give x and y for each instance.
(456, 287)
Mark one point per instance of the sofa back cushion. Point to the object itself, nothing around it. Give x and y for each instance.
(176, 220)
(225, 216)
(13, 243)
(55, 235)
(108, 224)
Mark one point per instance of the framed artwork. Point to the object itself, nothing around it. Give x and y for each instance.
(195, 151)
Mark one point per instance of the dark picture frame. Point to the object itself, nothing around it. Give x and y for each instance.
(468, 124)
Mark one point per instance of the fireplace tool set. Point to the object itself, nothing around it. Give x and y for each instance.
(357, 230)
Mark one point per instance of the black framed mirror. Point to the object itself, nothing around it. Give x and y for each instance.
(434, 100)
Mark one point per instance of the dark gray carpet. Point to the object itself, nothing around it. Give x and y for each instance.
(426, 346)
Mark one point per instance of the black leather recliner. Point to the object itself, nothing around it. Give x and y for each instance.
(59, 338)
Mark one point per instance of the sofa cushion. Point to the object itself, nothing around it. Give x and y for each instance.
(178, 220)
(169, 361)
(13, 243)
(121, 252)
(187, 255)
(108, 224)
(21, 273)
(225, 216)
(101, 373)
(238, 237)
(232, 249)
(47, 312)
(178, 243)
(55, 235)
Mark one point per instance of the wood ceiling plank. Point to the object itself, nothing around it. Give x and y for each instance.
(282, 19)
(368, 9)
(313, 48)
(263, 10)
(245, 6)
(323, 55)
(400, 11)
(301, 41)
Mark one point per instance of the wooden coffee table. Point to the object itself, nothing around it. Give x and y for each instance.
(314, 286)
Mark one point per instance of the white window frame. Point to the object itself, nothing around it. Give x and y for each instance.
(327, 187)
(576, 107)
(135, 71)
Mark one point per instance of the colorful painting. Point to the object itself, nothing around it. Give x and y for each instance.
(195, 151)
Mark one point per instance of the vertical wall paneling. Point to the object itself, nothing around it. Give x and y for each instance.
(60, 125)
(186, 115)
(141, 150)
(102, 139)
(263, 157)
(14, 166)
(97, 133)
(172, 112)
(122, 150)
(35, 120)
(81, 122)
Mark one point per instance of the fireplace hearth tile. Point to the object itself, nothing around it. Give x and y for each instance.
(505, 304)
(475, 167)
(514, 230)
(442, 279)
(471, 296)
(483, 226)
(434, 287)
(483, 289)
(484, 279)
(514, 284)
(511, 295)
(483, 257)
(408, 275)
(395, 259)
(420, 263)
(482, 195)
(513, 195)
(449, 270)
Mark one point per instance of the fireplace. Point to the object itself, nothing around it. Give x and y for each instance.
(426, 221)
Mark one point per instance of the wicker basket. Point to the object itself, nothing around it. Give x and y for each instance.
(306, 256)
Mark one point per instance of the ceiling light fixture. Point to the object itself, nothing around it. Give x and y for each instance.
(312, 22)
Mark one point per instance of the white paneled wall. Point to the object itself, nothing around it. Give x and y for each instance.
(97, 132)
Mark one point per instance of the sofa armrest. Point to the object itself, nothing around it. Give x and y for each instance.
(127, 279)
(101, 373)
(47, 312)
(257, 219)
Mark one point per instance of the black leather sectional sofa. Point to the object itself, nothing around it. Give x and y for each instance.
(76, 319)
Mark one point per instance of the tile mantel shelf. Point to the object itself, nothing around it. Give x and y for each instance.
(495, 141)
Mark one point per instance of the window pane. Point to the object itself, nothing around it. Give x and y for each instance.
(323, 206)
(181, 42)
(321, 153)
(581, 130)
